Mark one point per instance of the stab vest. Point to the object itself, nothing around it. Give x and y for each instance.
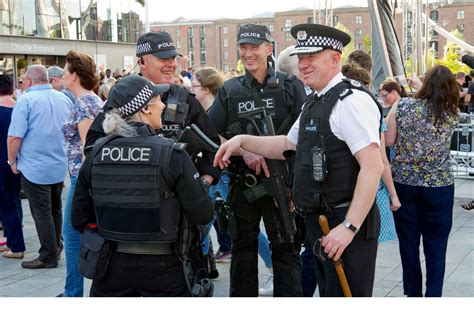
(342, 168)
(241, 98)
(175, 114)
(131, 191)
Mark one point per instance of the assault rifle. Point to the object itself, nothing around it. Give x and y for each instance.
(196, 141)
(277, 184)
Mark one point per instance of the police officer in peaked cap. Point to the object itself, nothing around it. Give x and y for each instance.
(282, 95)
(338, 163)
(157, 58)
(137, 187)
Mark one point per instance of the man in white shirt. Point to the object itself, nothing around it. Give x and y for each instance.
(338, 163)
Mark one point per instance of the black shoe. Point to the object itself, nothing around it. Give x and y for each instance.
(60, 295)
(213, 274)
(36, 263)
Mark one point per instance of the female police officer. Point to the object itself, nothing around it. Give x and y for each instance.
(137, 187)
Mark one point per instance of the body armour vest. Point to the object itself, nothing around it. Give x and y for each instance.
(175, 114)
(242, 98)
(131, 198)
(315, 137)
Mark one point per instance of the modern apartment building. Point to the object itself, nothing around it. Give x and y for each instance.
(43, 31)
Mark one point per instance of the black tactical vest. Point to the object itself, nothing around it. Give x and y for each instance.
(342, 167)
(242, 98)
(175, 114)
(132, 200)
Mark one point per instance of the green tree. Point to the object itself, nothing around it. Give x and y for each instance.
(349, 47)
(451, 58)
(367, 41)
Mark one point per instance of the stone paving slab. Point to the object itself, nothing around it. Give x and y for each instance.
(459, 280)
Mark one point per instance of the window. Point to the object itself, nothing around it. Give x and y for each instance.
(224, 29)
(226, 68)
(460, 14)
(434, 33)
(203, 43)
(287, 29)
(434, 15)
(461, 28)
(309, 20)
(359, 46)
(202, 31)
(203, 57)
(226, 55)
(270, 28)
(178, 44)
(190, 32)
(190, 43)
(335, 20)
(358, 19)
(226, 42)
(178, 32)
(191, 58)
(434, 46)
(358, 32)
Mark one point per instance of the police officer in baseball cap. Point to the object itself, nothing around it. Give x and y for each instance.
(157, 58)
(282, 95)
(135, 186)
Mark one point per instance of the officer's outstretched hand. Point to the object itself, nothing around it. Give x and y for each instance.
(255, 162)
(336, 241)
(222, 157)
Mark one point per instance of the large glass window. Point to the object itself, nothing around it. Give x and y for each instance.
(460, 14)
(358, 19)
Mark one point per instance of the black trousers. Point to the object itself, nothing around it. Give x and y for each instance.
(130, 275)
(244, 230)
(46, 209)
(358, 258)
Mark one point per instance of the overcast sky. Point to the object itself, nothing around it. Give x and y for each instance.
(192, 9)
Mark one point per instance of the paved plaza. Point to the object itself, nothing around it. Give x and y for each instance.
(16, 281)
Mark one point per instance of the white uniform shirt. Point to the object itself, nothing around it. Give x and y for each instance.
(354, 120)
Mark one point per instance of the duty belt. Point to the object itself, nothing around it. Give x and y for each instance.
(312, 210)
(145, 248)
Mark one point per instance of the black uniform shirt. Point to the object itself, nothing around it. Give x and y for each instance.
(187, 185)
(196, 115)
(295, 96)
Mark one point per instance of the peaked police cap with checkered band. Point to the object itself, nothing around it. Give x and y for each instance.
(132, 93)
(313, 38)
(160, 44)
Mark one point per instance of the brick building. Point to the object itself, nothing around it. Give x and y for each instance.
(213, 42)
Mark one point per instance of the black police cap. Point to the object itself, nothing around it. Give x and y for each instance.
(313, 38)
(254, 34)
(160, 44)
(132, 93)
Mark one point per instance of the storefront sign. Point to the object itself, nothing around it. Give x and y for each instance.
(32, 48)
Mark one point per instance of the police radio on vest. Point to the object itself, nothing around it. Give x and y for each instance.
(248, 106)
(126, 154)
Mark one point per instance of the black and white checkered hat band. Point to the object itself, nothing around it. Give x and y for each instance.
(143, 48)
(315, 42)
(137, 103)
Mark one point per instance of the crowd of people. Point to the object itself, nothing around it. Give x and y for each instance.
(303, 139)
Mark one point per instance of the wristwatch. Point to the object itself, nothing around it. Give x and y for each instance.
(11, 163)
(349, 225)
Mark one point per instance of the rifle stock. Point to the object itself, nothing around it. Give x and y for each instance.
(196, 141)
